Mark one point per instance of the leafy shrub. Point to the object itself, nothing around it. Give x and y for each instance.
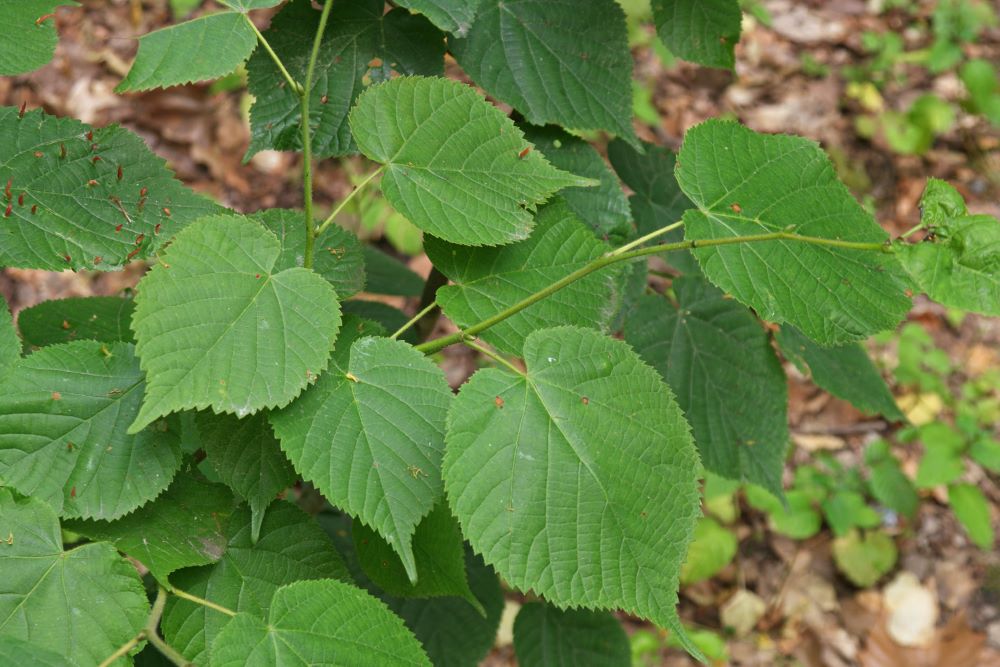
(164, 428)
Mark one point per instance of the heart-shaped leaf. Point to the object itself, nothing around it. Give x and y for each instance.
(578, 479)
(64, 415)
(220, 326)
(455, 165)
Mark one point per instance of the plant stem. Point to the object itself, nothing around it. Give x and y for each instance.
(150, 631)
(123, 650)
(912, 230)
(428, 296)
(493, 355)
(293, 84)
(307, 178)
(203, 602)
(606, 260)
(416, 318)
(346, 200)
(648, 237)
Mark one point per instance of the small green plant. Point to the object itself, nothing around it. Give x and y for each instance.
(983, 85)
(913, 132)
(188, 427)
(842, 498)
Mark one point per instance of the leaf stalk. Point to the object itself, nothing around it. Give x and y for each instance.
(346, 200)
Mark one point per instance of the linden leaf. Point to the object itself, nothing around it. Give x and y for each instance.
(369, 434)
(750, 184)
(555, 61)
(204, 48)
(33, 23)
(85, 602)
(64, 416)
(455, 165)
(85, 198)
(578, 479)
(220, 326)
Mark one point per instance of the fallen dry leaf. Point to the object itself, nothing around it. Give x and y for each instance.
(954, 645)
(913, 611)
(742, 612)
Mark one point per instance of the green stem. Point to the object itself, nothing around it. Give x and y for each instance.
(150, 631)
(203, 602)
(648, 237)
(416, 318)
(295, 85)
(346, 200)
(307, 178)
(493, 355)
(911, 231)
(606, 260)
(123, 650)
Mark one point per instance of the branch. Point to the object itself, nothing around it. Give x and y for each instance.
(307, 178)
(616, 256)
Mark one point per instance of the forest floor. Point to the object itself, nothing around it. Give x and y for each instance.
(790, 77)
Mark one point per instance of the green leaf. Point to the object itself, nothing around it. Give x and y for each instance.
(454, 16)
(439, 554)
(370, 433)
(717, 358)
(10, 344)
(566, 63)
(712, 549)
(959, 266)
(204, 48)
(940, 203)
(291, 547)
(28, 42)
(339, 255)
(489, 280)
(318, 622)
(15, 651)
(577, 480)
(747, 184)
(658, 200)
(387, 318)
(941, 464)
(84, 602)
(247, 458)
(845, 371)
(388, 275)
(77, 213)
(798, 519)
(846, 510)
(64, 413)
(219, 325)
(545, 636)
(453, 161)
(103, 318)
(973, 512)
(864, 557)
(603, 208)
(358, 33)
(702, 31)
(983, 85)
(986, 452)
(248, 5)
(181, 528)
(892, 488)
(453, 632)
